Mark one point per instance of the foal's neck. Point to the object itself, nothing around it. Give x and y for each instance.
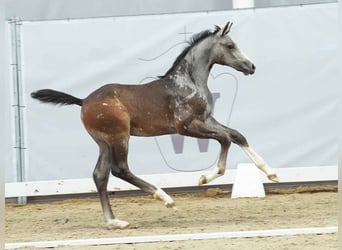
(196, 65)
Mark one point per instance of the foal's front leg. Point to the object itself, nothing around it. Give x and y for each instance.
(221, 166)
(209, 129)
(237, 138)
(261, 164)
(212, 129)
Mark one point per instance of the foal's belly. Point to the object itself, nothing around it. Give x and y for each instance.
(152, 124)
(151, 131)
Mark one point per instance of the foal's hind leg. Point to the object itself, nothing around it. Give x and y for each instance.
(100, 176)
(120, 169)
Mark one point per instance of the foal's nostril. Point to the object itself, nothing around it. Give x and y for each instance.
(253, 66)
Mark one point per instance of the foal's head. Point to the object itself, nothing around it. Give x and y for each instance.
(210, 47)
(226, 52)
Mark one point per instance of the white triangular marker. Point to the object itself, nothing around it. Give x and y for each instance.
(247, 182)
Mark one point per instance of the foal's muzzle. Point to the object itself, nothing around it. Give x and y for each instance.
(248, 68)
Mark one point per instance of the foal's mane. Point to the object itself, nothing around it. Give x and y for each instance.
(194, 40)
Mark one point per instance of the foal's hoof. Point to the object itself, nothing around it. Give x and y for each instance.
(117, 224)
(202, 180)
(273, 177)
(171, 205)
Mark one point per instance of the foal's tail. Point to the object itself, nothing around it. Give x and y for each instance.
(55, 97)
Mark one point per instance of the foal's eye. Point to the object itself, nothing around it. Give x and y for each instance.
(231, 46)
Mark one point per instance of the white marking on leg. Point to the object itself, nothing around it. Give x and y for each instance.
(161, 195)
(117, 224)
(211, 176)
(260, 163)
(218, 171)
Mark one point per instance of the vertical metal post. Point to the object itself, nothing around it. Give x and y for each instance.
(18, 103)
(3, 123)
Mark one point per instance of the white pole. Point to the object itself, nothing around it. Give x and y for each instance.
(242, 4)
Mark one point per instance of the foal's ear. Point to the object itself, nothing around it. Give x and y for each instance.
(226, 28)
(217, 29)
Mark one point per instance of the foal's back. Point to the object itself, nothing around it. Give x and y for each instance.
(140, 110)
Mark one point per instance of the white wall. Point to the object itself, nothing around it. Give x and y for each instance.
(34, 10)
(286, 110)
